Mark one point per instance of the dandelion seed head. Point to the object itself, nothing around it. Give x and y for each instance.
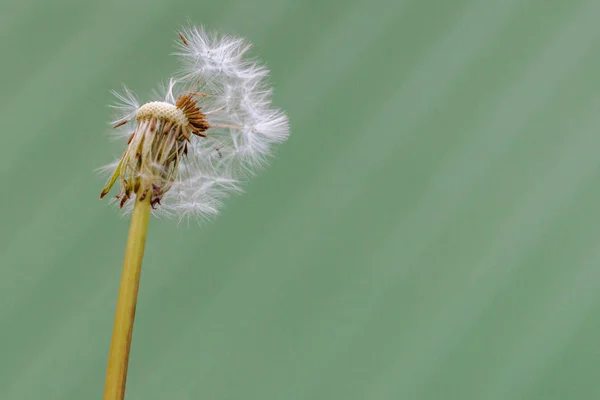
(199, 138)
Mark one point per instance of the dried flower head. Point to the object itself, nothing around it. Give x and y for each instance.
(211, 128)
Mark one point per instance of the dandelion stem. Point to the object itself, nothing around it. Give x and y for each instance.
(118, 358)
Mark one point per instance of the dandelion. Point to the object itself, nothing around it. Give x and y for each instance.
(198, 140)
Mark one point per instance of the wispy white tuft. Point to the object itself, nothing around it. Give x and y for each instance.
(127, 105)
(206, 54)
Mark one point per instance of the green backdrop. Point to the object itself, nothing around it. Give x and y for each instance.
(429, 231)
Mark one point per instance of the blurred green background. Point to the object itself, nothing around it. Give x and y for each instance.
(429, 231)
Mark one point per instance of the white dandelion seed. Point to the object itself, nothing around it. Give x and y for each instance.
(223, 65)
(211, 128)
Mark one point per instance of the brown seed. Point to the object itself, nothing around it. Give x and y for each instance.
(183, 39)
(167, 127)
(186, 132)
(120, 123)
